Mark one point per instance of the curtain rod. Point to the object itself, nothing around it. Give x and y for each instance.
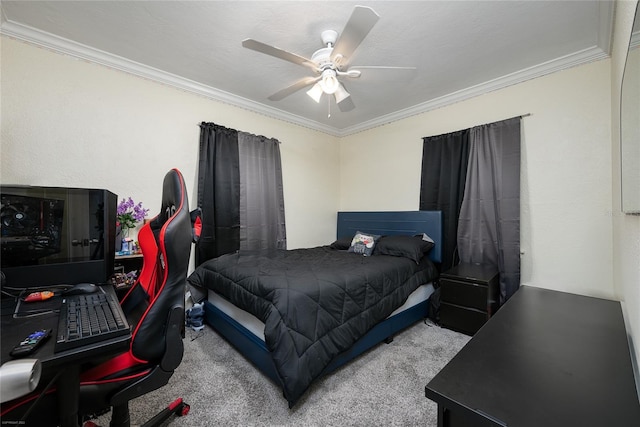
(521, 116)
(459, 130)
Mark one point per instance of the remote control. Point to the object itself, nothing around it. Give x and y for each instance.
(30, 343)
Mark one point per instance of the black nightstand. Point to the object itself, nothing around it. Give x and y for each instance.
(469, 296)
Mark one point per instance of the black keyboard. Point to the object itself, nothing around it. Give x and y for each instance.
(89, 318)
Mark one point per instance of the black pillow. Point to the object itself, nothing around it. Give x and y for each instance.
(342, 244)
(363, 243)
(412, 247)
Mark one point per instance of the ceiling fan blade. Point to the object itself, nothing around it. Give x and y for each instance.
(379, 67)
(360, 23)
(278, 53)
(302, 83)
(384, 73)
(354, 74)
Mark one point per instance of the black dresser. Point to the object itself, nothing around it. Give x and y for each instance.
(546, 359)
(469, 296)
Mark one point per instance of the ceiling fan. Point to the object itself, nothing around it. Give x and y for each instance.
(330, 63)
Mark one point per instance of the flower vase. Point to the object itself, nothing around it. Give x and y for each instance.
(126, 249)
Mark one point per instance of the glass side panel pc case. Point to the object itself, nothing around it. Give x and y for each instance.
(54, 235)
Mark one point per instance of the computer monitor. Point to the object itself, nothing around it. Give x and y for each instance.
(56, 235)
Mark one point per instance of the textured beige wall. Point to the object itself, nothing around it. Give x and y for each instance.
(71, 123)
(566, 198)
(68, 122)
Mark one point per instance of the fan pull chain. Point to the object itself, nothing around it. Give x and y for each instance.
(328, 107)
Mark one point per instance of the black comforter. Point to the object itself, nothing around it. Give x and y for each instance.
(315, 303)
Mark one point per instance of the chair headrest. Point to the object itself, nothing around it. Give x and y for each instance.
(173, 199)
(173, 195)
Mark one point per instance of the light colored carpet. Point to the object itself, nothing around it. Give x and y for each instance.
(384, 386)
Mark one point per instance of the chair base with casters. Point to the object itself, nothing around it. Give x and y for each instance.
(153, 379)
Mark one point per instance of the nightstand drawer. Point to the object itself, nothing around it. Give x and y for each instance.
(464, 293)
(461, 319)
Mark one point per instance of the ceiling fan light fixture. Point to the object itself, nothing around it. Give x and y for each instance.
(341, 94)
(316, 92)
(329, 82)
(329, 63)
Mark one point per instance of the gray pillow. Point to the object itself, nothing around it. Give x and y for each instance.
(363, 243)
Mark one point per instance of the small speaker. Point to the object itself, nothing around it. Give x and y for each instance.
(18, 378)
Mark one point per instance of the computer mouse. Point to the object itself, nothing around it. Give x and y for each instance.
(81, 288)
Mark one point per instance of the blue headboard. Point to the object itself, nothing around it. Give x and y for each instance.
(390, 223)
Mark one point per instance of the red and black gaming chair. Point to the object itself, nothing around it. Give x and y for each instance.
(155, 309)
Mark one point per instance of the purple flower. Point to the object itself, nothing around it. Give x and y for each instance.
(129, 213)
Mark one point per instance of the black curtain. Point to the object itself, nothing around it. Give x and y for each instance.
(489, 222)
(262, 223)
(444, 171)
(218, 192)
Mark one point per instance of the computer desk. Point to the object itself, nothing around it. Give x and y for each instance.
(546, 358)
(66, 363)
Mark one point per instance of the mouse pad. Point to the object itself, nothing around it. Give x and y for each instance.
(26, 309)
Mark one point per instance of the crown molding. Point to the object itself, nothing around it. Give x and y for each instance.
(606, 18)
(582, 57)
(68, 47)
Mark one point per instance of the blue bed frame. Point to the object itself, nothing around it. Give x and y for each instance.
(383, 223)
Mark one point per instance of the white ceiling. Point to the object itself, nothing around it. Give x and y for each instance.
(459, 48)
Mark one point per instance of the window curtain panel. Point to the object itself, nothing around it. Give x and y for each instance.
(489, 221)
(262, 224)
(444, 170)
(240, 192)
(218, 192)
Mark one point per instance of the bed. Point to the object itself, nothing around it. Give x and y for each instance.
(300, 314)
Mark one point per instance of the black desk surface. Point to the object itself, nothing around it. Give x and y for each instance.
(67, 364)
(15, 330)
(546, 358)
